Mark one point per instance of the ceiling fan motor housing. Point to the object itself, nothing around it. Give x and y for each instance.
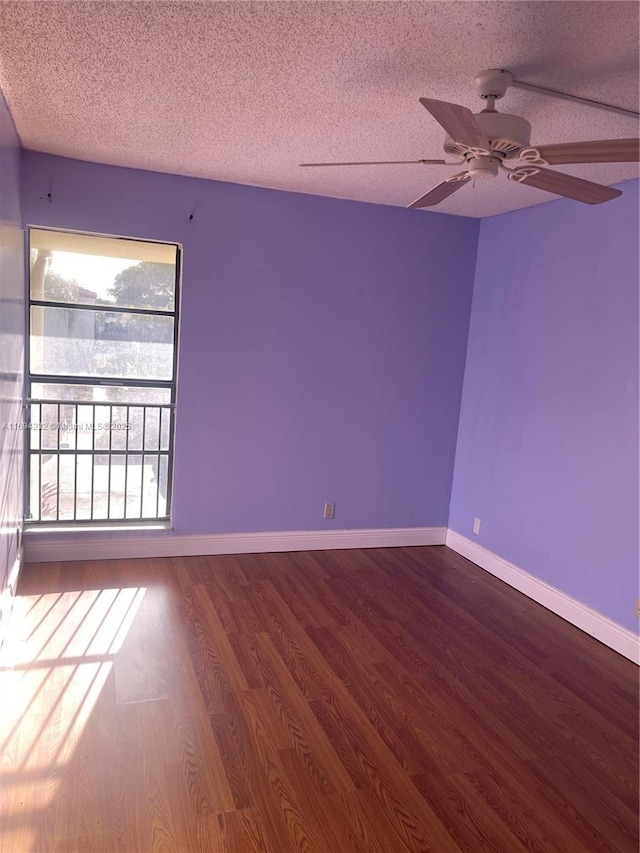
(506, 134)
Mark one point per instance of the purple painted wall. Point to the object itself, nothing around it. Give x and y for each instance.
(547, 453)
(11, 346)
(322, 344)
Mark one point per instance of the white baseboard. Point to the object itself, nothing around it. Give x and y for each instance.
(610, 633)
(42, 547)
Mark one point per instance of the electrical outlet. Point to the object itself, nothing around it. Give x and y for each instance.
(476, 526)
(329, 510)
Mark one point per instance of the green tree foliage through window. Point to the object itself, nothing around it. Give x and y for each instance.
(59, 289)
(145, 285)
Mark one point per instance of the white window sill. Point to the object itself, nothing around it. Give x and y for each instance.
(41, 529)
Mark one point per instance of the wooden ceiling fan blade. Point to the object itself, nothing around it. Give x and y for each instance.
(564, 185)
(598, 151)
(385, 163)
(459, 122)
(441, 191)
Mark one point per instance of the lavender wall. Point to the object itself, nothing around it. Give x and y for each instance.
(322, 344)
(11, 345)
(547, 453)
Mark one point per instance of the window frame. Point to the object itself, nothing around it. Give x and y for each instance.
(164, 520)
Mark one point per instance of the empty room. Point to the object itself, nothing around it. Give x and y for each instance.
(319, 427)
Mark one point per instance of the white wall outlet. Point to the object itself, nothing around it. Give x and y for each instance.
(329, 510)
(476, 526)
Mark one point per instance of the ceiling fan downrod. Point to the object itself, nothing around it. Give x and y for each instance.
(494, 82)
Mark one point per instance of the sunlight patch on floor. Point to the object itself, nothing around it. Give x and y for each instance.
(56, 659)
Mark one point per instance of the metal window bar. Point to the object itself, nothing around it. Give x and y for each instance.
(58, 468)
(110, 448)
(75, 471)
(72, 501)
(93, 463)
(126, 467)
(144, 429)
(158, 461)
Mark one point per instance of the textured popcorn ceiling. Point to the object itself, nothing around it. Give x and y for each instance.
(245, 91)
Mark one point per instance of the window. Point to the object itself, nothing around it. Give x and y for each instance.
(103, 329)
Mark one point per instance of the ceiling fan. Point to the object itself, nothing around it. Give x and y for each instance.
(489, 142)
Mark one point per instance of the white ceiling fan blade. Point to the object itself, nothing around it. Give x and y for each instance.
(441, 191)
(459, 122)
(598, 151)
(385, 163)
(564, 185)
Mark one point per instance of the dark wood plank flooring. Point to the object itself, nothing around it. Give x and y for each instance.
(383, 700)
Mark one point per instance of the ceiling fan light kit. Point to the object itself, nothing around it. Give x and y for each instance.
(482, 167)
(484, 142)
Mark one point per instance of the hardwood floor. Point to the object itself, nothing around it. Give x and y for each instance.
(339, 702)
